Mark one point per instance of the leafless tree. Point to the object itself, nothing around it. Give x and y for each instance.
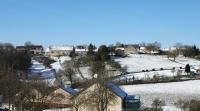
(183, 105)
(153, 46)
(173, 54)
(157, 103)
(68, 71)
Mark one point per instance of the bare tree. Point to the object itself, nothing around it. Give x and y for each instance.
(173, 54)
(183, 105)
(153, 46)
(32, 95)
(157, 103)
(69, 73)
(102, 97)
(80, 100)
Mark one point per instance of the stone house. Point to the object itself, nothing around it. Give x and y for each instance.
(123, 101)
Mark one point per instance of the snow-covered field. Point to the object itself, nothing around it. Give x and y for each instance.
(64, 109)
(168, 92)
(137, 62)
(171, 108)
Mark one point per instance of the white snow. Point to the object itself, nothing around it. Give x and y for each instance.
(136, 62)
(169, 92)
(59, 61)
(171, 108)
(39, 70)
(63, 109)
(62, 48)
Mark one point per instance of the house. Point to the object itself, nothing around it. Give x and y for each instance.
(123, 101)
(81, 49)
(131, 48)
(58, 98)
(61, 98)
(119, 51)
(198, 70)
(33, 49)
(56, 51)
(142, 50)
(169, 49)
(127, 49)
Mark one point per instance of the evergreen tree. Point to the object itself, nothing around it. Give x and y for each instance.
(103, 53)
(91, 49)
(72, 53)
(187, 68)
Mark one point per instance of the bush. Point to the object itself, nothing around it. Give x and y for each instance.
(47, 62)
(187, 68)
(153, 70)
(161, 69)
(194, 105)
(157, 104)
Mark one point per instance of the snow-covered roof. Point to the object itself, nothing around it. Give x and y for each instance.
(63, 48)
(142, 48)
(81, 50)
(47, 49)
(169, 49)
(119, 48)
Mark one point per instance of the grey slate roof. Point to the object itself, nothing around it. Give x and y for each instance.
(117, 90)
(70, 90)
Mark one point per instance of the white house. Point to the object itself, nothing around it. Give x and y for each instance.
(122, 101)
(81, 49)
(62, 50)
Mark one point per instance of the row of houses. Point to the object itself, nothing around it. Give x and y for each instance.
(62, 50)
(65, 50)
(81, 100)
(133, 49)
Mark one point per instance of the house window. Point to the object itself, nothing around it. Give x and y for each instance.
(131, 104)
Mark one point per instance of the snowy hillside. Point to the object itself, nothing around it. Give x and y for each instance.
(146, 66)
(169, 92)
(138, 62)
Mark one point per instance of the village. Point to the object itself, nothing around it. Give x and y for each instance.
(120, 77)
